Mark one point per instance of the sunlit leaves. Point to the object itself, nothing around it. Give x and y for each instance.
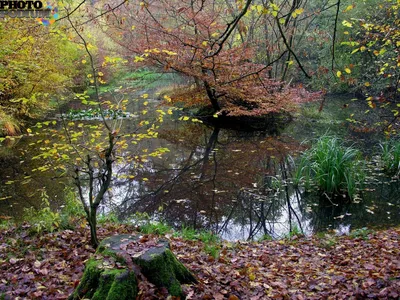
(297, 12)
(138, 59)
(347, 23)
(349, 7)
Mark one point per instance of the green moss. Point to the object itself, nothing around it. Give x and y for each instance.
(164, 270)
(105, 281)
(90, 280)
(123, 287)
(116, 284)
(106, 284)
(158, 264)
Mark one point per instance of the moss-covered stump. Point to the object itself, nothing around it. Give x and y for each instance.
(112, 273)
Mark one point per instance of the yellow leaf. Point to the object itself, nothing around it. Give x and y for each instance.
(350, 7)
(169, 111)
(338, 74)
(367, 84)
(185, 118)
(145, 96)
(83, 61)
(347, 23)
(169, 52)
(145, 179)
(204, 43)
(145, 103)
(297, 12)
(138, 59)
(348, 71)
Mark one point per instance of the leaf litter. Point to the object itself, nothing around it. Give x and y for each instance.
(50, 266)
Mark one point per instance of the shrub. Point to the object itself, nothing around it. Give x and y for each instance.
(334, 167)
(44, 219)
(390, 156)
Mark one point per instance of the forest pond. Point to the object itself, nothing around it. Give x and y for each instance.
(235, 183)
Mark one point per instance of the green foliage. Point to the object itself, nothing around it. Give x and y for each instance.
(313, 112)
(72, 206)
(155, 228)
(188, 233)
(8, 124)
(362, 233)
(390, 156)
(326, 240)
(208, 237)
(212, 250)
(294, 232)
(334, 167)
(44, 219)
(71, 211)
(35, 65)
(108, 218)
(266, 238)
(139, 219)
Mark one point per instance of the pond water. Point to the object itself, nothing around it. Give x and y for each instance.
(232, 182)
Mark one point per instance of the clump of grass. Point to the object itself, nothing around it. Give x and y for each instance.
(265, 238)
(313, 112)
(188, 233)
(333, 167)
(390, 156)
(212, 250)
(212, 243)
(362, 233)
(155, 228)
(108, 218)
(8, 125)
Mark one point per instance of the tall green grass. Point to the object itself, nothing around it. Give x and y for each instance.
(390, 156)
(333, 167)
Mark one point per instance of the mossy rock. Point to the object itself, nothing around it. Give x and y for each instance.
(112, 272)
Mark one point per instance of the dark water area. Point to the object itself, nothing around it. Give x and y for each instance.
(235, 183)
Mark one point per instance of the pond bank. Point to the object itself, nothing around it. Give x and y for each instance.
(363, 265)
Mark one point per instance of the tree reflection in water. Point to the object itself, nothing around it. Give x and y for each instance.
(239, 186)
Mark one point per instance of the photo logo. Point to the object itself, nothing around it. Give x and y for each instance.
(44, 14)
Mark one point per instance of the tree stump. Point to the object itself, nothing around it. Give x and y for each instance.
(112, 273)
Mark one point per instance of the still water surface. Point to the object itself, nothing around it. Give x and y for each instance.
(232, 182)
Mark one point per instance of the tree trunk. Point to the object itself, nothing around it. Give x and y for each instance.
(211, 95)
(114, 271)
(93, 227)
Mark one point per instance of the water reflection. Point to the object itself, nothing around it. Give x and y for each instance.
(238, 185)
(234, 183)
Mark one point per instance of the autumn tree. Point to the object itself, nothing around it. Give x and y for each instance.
(36, 63)
(207, 42)
(372, 38)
